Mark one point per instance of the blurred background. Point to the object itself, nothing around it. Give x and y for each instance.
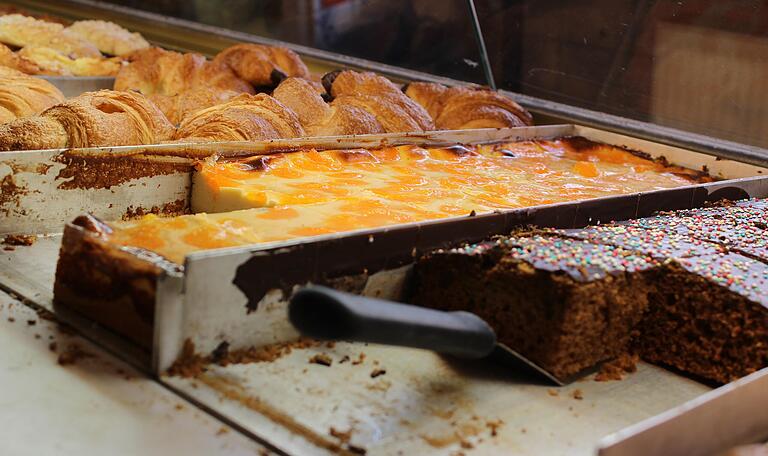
(697, 65)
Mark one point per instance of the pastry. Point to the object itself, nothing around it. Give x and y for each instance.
(20, 31)
(242, 118)
(109, 37)
(262, 65)
(378, 96)
(309, 193)
(24, 96)
(103, 118)
(458, 108)
(50, 61)
(442, 182)
(10, 59)
(157, 71)
(176, 107)
(320, 118)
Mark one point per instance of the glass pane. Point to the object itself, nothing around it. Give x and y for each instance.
(697, 65)
(433, 36)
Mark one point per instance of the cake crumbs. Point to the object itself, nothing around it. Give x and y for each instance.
(356, 449)
(343, 436)
(222, 430)
(11, 319)
(72, 354)
(378, 372)
(322, 359)
(360, 359)
(31, 322)
(52, 347)
(344, 359)
(190, 363)
(553, 392)
(494, 426)
(466, 444)
(617, 368)
(19, 239)
(577, 394)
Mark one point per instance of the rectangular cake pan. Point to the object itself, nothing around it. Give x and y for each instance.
(42, 190)
(423, 402)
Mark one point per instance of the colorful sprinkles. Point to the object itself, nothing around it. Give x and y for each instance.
(727, 245)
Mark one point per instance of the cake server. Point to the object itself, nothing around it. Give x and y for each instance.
(326, 314)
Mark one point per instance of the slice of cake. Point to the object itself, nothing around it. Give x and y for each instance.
(566, 304)
(708, 316)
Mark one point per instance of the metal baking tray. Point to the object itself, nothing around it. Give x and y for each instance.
(72, 86)
(732, 415)
(424, 403)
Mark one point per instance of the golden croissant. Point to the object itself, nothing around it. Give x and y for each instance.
(109, 37)
(18, 30)
(157, 71)
(262, 65)
(457, 108)
(176, 107)
(243, 118)
(320, 118)
(379, 97)
(103, 118)
(22, 95)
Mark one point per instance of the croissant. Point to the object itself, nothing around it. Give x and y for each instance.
(11, 59)
(51, 62)
(320, 118)
(109, 37)
(20, 31)
(378, 96)
(262, 65)
(22, 95)
(157, 71)
(176, 107)
(243, 118)
(103, 118)
(456, 108)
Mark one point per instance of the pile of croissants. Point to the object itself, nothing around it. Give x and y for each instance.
(246, 92)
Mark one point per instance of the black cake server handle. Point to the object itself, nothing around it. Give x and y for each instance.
(326, 314)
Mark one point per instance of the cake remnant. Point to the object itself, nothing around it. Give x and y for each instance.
(19, 239)
(322, 359)
(617, 368)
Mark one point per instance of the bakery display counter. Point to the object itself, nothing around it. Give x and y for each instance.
(171, 220)
(234, 357)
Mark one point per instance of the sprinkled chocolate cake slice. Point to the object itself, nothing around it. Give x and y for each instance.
(564, 303)
(708, 316)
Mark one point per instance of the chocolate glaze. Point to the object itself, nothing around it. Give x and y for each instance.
(727, 244)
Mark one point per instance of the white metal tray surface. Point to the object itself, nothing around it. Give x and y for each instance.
(64, 395)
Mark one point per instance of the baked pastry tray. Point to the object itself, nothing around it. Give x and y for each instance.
(424, 403)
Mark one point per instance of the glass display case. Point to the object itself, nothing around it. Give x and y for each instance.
(696, 66)
(183, 254)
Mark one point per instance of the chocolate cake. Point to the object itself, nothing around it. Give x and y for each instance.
(566, 304)
(687, 290)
